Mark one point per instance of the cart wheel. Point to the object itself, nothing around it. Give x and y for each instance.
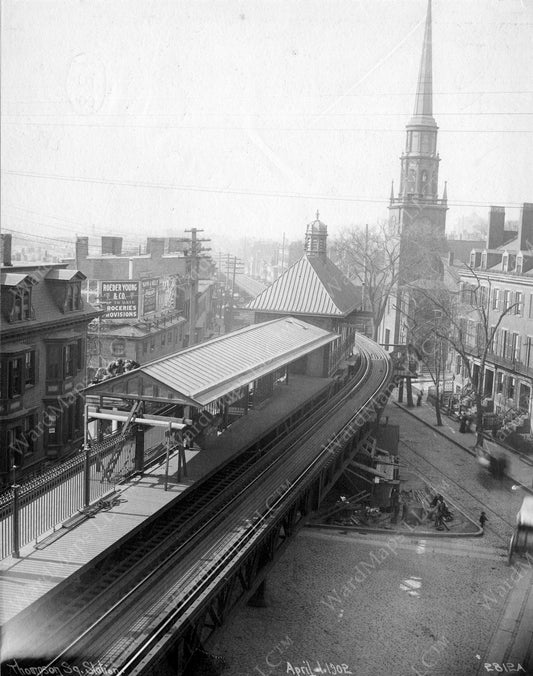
(511, 550)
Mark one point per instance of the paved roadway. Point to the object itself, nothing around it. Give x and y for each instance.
(431, 606)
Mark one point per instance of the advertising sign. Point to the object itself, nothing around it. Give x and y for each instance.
(120, 300)
(149, 291)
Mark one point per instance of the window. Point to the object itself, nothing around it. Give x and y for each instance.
(69, 360)
(14, 377)
(499, 382)
(145, 346)
(530, 313)
(495, 299)
(506, 300)
(511, 385)
(80, 354)
(519, 301)
(53, 362)
(529, 352)
(152, 342)
(505, 262)
(29, 369)
(163, 338)
(169, 337)
(21, 304)
(517, 344)
(504, 343)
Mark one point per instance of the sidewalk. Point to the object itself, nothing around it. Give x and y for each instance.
(519, 467)
(511, 644)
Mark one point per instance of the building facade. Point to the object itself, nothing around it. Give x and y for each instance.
(43, 333)
(503, 271)
(147, 299)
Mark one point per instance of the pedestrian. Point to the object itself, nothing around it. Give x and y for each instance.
(419, 397)
(482, 521)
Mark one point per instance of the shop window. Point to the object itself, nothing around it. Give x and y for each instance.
(499, 383)
(163, 338)
(145, 346)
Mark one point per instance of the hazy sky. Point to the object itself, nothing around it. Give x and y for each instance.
(245, 117)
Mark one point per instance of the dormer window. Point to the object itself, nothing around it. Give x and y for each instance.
(73, 297)
(505, 262)
(519, 264)
(21, 304)
(484, 260)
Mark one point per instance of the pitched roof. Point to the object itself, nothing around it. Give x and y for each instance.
(203, 373)
(65, 275)
(312, 286)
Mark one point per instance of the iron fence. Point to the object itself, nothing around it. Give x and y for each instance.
(40, 505)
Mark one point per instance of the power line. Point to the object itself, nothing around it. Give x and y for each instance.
(230, 191)
(366, 130)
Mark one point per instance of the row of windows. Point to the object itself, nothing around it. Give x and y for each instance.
(164, 338)
(502, 300)
(22, 309)
(19, 440)
(19, 373)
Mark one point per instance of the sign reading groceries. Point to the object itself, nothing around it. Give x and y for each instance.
(120, 300)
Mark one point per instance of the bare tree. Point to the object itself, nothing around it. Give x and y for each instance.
(464, 320)
(370, 256)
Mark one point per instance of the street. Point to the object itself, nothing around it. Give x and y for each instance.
(347, 602)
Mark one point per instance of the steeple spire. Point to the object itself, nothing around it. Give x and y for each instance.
(423, 111)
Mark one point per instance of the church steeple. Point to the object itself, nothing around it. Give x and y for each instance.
(420, 160)
(423, 112)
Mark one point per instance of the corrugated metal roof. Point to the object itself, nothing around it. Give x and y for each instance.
(312, 286)
(249, 285)
(210, 370)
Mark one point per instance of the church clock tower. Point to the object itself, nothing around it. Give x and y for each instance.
(417, 214)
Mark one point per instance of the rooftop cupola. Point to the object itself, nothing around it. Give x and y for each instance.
(316, 235)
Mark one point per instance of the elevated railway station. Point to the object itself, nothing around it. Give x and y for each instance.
(152, 578)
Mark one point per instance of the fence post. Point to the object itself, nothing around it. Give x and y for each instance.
(16, 516)
(87, 476)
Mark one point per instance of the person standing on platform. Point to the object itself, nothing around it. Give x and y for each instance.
(482, 521)
(419, 397)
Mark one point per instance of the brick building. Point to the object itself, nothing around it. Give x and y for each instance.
(504, 270)
(43, 335)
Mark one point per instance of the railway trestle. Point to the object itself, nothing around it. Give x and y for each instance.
(190, 634)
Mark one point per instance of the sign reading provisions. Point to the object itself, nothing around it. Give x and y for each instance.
(120, 299)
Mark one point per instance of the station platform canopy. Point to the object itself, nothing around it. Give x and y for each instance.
(201, 374)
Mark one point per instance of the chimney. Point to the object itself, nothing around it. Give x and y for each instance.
(112, 245)
(525, 227)
(496, 227)
(5, 246)
(450, 257)
(82, 249)
(155, 246)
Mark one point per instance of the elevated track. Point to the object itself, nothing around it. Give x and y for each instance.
(158, 596)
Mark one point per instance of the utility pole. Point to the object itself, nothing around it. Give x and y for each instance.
(231, 266)
(193, 273)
